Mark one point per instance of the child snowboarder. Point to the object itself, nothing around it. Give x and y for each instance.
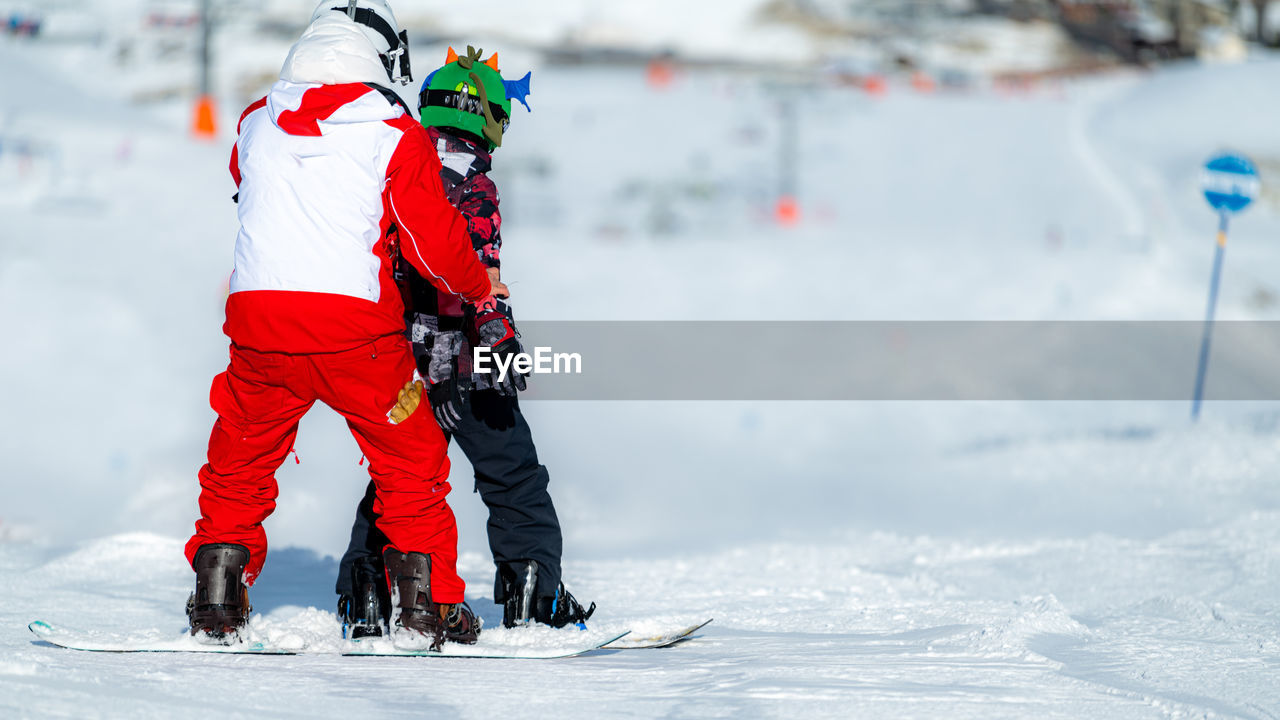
(465, 106)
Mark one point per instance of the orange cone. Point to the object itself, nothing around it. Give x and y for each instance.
(660, 74)
(206, 124)
(787, 211)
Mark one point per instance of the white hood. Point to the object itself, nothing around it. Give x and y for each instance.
(333, 51)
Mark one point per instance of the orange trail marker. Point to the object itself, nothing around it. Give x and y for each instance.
(787, 211)
(660, 74)
(206, 123)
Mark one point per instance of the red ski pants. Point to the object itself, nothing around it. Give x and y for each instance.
(260, 399)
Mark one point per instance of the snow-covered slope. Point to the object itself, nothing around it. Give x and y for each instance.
(878, 559)
(868, 625)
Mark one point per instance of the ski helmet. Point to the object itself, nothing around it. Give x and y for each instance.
(378, 23)
(469, 94)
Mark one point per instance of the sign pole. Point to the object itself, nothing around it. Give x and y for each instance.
(1203, 369)
(1230, 183)
(206, 124)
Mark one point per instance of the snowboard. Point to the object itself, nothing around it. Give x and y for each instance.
(154, 641)
(498, 647)
(659, 640)
(528, 644)
(541, 645)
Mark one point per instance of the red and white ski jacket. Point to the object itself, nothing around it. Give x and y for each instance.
(331, 178)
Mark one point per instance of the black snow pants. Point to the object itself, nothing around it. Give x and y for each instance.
(512, 483)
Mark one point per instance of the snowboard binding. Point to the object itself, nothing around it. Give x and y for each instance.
(420, 620)
(516, 589)
(219, 607)
(367, 613)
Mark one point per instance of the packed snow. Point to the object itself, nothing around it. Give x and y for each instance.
(927, 559)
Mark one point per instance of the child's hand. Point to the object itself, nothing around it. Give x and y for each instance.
(447, 401)
(491, 326)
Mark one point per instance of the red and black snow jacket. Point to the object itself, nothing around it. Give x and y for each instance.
(464, 174)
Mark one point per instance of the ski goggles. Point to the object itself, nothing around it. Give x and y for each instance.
(466, 102)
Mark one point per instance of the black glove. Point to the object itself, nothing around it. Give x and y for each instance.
(490, 325)
(448, 402)
(437, 358)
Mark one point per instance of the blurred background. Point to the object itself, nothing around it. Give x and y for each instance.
(726, 160)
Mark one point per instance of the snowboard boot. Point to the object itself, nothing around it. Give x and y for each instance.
(420, 620)
(517, 586)
(366, 613)
(219, 607)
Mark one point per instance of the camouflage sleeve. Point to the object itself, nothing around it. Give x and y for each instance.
(479, 205)
(445, 348)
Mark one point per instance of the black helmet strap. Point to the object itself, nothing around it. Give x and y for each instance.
(396, 59)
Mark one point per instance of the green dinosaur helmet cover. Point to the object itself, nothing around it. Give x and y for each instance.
(469, 94)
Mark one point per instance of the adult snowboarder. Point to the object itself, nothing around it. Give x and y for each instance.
(466, 106)
(334, 177)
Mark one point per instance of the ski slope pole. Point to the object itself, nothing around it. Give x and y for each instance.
(1207, 339)
(1230, 183)
(206, 123)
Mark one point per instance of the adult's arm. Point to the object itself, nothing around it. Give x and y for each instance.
(433, 235)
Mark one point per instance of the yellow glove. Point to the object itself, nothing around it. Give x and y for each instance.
(408, 401)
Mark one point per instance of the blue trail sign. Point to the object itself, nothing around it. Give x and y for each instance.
(1230, 183)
